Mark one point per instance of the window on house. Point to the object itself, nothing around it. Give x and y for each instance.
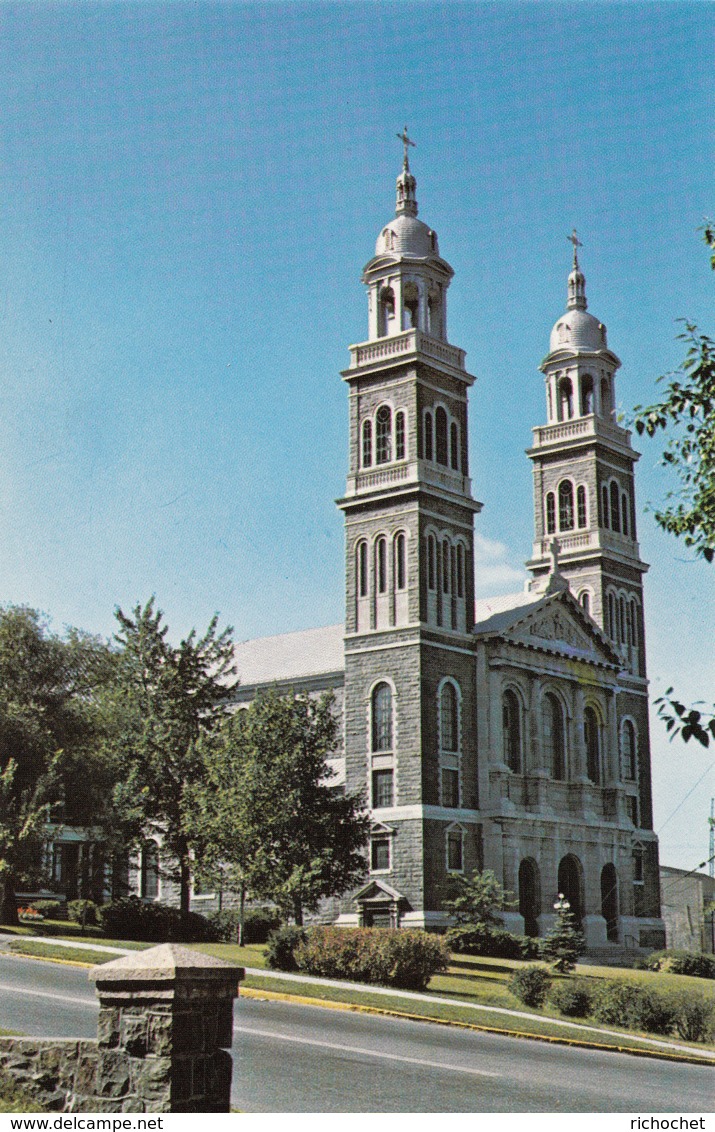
(380, 854)
(382, 718)
(604, 506)
(613, 617)
(399, 436)
(445, 566)
(511, 718)
(454, 446)
(581, 506)
(431, 562)
(441, 435)
(460, 570)
(629, 750)
(450, 787)
(429, 437)
(383, 438)
(381, 564)
(592, 743)
(361, 557)
(624, 513)
(382, 789)
(149, 878)
(638, 869)
(566, 515)
(455, 851)
(554, 736)
(632, 809)
(550, 513)
(367, 444)
(585, 601)
(400, 564)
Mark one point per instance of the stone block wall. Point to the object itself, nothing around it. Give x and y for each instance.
(164, 1031)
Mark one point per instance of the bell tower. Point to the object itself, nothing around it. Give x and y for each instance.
(409, 517)
(584, 490)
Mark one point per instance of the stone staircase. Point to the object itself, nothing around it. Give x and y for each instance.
(614, 955)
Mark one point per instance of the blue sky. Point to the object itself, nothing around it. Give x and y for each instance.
(188, 194)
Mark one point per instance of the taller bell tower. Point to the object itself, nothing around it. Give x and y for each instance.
(409, 576)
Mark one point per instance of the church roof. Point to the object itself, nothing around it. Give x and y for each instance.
(290, 656)
(492, 614)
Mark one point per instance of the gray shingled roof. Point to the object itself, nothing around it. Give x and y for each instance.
(290, 656)
(493, 614)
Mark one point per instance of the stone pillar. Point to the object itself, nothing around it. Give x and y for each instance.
(164, 1031)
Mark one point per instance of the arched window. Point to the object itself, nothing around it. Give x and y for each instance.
(585, 601)
(448, 718)
(592, 743)
(383, 438)
(399, 435)
(445, 567)
(550, 513)
(382, 718)
(460, 570)
(613, 617)
(623, 621)
(629, 750)
(361, 567)
(565, 399)
(511, 717)
(367, 444)
(615, 508)
(400, 562)
(381, 565)
(454, 446)
(554, 736)
(149, 878)
(429, 437)
(581, 515)
(624, 513)
(566, 516)
(412, 303)
(455, 850)
(633, 611)
(441, 435)
(586, 394)
(431, 562)
(530, 895)
(604, 506)
(386, 311)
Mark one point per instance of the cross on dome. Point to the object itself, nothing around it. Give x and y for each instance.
(573, 239)
(406, 141)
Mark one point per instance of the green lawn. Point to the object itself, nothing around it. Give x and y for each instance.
(40, 950)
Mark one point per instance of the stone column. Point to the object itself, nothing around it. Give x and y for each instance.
(164, 1031)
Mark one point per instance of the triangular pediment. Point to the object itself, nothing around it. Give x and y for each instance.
(558, 624)
(377, 891)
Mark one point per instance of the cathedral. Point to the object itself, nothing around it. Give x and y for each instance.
(509, 733)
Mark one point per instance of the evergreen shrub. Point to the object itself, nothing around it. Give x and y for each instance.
(281, 947)
(82, 912)
(402, 957)
(494, 943)
(572, 997)
(694, 963)
(132, 918)
(530, 985)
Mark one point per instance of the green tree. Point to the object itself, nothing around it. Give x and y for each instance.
(477, 899)
(272, 813)
(686, 413)
(167, 698)
(565, 943)
(49, 725)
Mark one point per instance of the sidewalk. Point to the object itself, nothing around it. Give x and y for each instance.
(409, 996)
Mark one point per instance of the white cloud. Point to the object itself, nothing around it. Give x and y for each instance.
(493, 572)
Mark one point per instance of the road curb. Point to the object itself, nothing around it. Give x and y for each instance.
(357, 1008)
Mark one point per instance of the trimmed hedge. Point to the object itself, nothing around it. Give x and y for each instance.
(694, 1016)
(281, 946)
(50, 909)
(493, 943)
(572, 997)
(131, 918)
(403, 957)
(682, 963)
(530, 985)
(634, 1006)
(258, 923)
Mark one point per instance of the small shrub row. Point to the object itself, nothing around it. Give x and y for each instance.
(399, 958)
(531, 985)
(687, 1014)
(132, 918)
(50, 909)
(492, 942)
(681, 963)
(258, 923)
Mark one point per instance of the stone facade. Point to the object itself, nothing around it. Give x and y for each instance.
(164, 1033)
(512, 733)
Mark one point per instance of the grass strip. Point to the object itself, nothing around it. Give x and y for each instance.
(76, 956)
(422, 1010)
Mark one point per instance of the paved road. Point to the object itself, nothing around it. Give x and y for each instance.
(291, 1058)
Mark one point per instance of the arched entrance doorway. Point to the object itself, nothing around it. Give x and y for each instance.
(609, 900)
(530, 895)
(571, 884)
